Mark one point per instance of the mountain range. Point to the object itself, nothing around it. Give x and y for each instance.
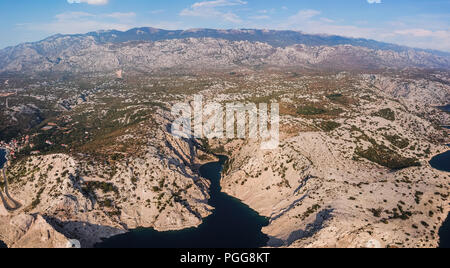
(151, 49)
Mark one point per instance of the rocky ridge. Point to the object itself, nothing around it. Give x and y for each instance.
(89, 201)
(91, 54)
(318, 192)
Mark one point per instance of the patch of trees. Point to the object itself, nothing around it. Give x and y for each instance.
(329, 126)
(387, 114)
(384, 156)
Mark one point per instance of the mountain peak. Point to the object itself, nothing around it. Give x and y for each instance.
(104, 51)
(276, 38)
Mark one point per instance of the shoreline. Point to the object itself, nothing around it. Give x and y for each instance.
(442, 222)
(190, 236)
(197, 165)
(6, 157)
(446, 220)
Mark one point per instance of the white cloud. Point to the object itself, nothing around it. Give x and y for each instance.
(157, 11)
(89, 2)
(73, 15)
(231, 17)
(422, 31)
(260, 17)
(305, 14)
(374, 1)
(218, 3)
(423, 38)
(82, 22)
(120, 15)
(214, 9)
(416, 32)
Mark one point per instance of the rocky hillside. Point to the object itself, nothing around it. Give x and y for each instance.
(352, 167)
(360, 178)
(27, 231)
(148, 49)
(88, 200)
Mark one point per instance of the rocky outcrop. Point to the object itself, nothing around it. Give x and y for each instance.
(315, 196)
(318, 192)
(89, 201)
(30, 231)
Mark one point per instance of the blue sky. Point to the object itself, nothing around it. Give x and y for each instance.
(416, 23)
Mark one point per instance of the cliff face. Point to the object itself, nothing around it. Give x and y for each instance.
(321, 189)
(322, 198)
(26, 231)
(158, 188)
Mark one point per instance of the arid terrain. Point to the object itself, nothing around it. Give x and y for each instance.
(94, 157)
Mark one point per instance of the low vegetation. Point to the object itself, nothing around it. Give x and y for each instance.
(387, 114)
(397, 141)
(386, 157)
(310, 110)
(329, 126)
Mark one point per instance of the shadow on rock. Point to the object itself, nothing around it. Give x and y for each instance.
(88, 234)
(310, 230)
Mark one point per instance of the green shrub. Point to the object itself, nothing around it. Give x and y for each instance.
(397, 141)
(329, 126)
(376, 212)
(335, 96)
(37, 200)
(417, 197)
(106, 187)
(338, 98)
(387, 114)
(155, 189)
(310, 110)
(386, 157)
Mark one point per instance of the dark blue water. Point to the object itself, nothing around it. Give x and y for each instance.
(2, 162)
(232, 224)
(445, 108)
(2, 158)
(442, 162)
(444, 234)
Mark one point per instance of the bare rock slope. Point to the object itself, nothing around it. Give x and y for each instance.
(89, 201)
(26, 231)
(323, 187)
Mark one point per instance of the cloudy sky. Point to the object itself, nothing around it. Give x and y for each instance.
(415, 23)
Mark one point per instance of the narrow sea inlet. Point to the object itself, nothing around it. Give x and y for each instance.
(2, 162)
(445, 108)
(442, 162)
(232, 224)
(2, 157)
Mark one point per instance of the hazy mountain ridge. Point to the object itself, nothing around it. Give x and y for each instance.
(271, 37)
(150, 49)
